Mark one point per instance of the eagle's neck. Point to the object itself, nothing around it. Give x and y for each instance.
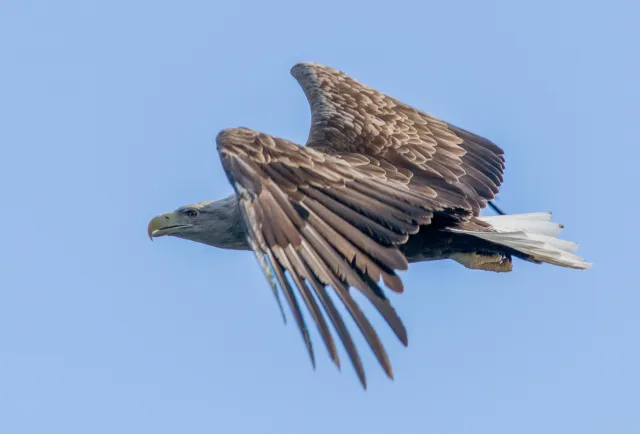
(225, 229)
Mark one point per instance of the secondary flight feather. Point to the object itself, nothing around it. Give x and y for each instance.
(379, 184)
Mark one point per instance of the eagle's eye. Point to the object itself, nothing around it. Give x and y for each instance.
(191, 213)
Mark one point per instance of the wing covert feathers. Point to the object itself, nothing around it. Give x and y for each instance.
(350, 117)
(333, 213)
(307, 217)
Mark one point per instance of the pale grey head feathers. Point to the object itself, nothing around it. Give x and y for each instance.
(215, 223)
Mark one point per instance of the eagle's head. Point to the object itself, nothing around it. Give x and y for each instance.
(216, 223)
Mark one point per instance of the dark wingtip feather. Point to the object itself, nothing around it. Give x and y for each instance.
(384, 307)
(393, 282)
(293, 304)
(363, 381)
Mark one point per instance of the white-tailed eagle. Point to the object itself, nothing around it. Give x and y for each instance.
(379, 185)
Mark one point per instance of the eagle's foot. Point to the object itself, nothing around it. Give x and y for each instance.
(476, 261)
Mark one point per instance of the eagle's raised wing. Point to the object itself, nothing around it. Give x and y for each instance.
(411, 145)
(326, 221)
(334, 212)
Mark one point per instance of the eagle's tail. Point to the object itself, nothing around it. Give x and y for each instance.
(533, 235)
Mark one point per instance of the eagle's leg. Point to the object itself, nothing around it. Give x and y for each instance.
(477, 261)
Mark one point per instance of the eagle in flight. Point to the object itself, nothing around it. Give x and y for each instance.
(379, 184)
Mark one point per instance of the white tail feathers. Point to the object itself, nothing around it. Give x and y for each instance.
(533, 234)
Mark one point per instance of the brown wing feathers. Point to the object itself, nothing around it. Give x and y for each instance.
(350, 117)
(333, 213)
(307, 227)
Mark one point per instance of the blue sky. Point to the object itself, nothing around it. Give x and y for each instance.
(108, 112)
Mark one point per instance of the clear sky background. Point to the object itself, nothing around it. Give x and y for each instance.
(108, 113)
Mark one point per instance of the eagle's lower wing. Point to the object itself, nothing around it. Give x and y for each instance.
(348, 116)
(326, 221)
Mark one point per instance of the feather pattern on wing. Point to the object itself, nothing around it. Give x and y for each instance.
(374, 128)
(334, 213)
(315, 225)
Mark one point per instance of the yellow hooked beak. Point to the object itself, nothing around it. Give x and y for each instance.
(165, 224)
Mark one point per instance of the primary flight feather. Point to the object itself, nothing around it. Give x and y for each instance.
(378, 185)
